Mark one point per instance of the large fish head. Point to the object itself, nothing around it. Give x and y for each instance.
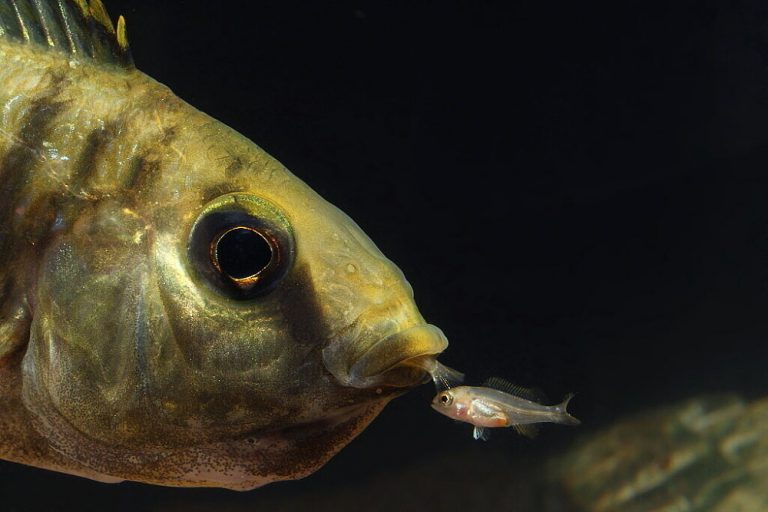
(219, 325)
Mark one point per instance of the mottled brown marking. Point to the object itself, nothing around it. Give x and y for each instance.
(18, 164)
(39, 217)
(142, 171)
(95, 144)
(169, 133)
(147, 168)
(5, 289)
(234, 166)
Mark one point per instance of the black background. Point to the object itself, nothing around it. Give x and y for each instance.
(577, 192)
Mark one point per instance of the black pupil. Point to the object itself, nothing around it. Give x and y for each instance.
(444, 398)
(242, 253)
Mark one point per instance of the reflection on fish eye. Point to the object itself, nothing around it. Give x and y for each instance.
(241, 253)
(446, 399)
(242, 246)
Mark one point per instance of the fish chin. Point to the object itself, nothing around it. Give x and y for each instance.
(388, 361)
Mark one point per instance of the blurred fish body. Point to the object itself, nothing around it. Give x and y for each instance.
(175, 306)
(499, 403)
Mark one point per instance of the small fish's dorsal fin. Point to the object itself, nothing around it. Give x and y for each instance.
(534, 395)
(80, 28)
(529, 431)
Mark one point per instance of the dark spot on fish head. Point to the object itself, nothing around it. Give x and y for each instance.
(167, 135)
(234, 166)
(143, 172)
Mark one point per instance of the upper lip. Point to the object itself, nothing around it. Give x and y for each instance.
(377, 364)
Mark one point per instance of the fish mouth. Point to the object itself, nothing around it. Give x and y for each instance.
(390, 361)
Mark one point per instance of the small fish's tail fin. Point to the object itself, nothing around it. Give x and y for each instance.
(565, 417)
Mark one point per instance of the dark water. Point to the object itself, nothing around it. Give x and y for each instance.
(578, 193)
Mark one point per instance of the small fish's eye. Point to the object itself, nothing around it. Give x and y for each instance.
(242, 245)
(446, 399)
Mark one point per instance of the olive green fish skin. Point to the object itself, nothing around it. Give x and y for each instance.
(118, 359)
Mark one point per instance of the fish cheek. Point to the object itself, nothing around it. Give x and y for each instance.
(259, 361)
(310, 327)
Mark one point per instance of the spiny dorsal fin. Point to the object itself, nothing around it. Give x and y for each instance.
(533, 395)
(81, 28)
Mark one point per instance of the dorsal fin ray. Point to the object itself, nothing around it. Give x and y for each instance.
(80, 28)
(534, 395)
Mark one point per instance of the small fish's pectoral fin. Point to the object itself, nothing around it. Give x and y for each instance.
(534, 395)
(529, 431)
(481, 433)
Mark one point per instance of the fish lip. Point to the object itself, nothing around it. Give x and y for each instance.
(386, 361)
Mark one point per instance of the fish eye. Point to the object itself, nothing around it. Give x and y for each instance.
(446, 399)
(242, 253)
(242, 245)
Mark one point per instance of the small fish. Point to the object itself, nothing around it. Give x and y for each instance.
(499, 403)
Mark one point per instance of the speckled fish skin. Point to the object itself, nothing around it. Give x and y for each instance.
(121, 355)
